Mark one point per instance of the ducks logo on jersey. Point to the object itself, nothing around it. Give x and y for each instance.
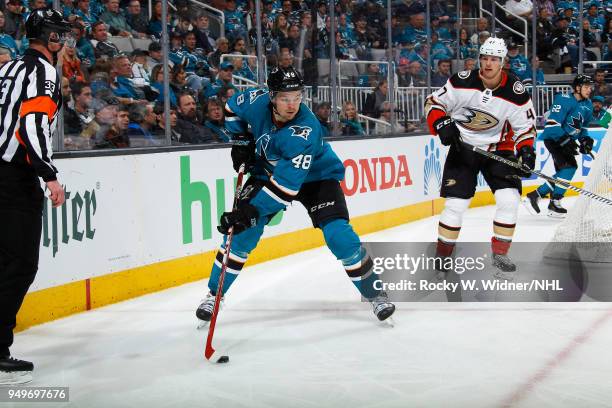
(476, 120)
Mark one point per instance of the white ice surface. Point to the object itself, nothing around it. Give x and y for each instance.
(298, 336)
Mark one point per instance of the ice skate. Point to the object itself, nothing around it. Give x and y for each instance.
(205, 310)
(505, 267)
(555, 209)
(14, 371)
(531, 202)
(381, 306)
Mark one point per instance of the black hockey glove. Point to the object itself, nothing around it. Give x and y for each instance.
(448, 132)
(586, 145)
(242, 218)
(526, 157)
(568, 145)
(243, 151)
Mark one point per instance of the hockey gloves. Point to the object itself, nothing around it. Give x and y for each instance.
(526, 157)
(586, 145)
(243, 151)
(242, 218)
(448, 132)
(568, 145)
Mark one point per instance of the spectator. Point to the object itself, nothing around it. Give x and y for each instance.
(122, 85)
(444, 73)
(222, 48)
(102, 47)
(142, 121)
(116, 136)
(598, 109)
(469, 64)
(84, 48)
(137, 19)
(155, 23)
(439, 50)
(414, 33)
(243, 69)
(291, 14)
(588, 36)
(321, 14)
(105, 113)
(215, 120)
(71, 64)
(346, 30)
(386, 116)
(178, 80)
(188, 123)
(159, 129)
(14, 21)
(84, 12)
(372, 76)
(606, 34)
(467, 49)
(481, 26)
(5, 55)
(403, 74)
(285, 60)
(443, 32)
(140, 69)
(239, 46)
(157, 81)
(597, 22)
(78, 114)
(323, 112)
(601, 87)
(204, 37)
(235, 24)
(226, 92)
(280, 29)
(544, 29)
(417, 75)
(374, 100)
(224, 78)
(539, 74)
(6, 40)
(365, 37)
(155, 57)
(65, 90)
(519, 64)
(117, 24)
(349, 120)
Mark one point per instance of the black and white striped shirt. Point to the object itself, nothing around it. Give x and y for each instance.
(30, 100)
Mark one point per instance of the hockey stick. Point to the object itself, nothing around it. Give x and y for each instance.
(210, 353)
(550, 179)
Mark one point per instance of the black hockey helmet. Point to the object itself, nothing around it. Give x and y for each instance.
(47, 25)
(582, 79)
(285, 80)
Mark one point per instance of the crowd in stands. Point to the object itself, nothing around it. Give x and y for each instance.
(116, 99)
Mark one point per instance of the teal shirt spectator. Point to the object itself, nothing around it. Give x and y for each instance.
(520, 66)
(213, 88)
(219, 130)
(85, 52)
(9, 42)
(352, 127)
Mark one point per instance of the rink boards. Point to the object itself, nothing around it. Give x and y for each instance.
(135, 224)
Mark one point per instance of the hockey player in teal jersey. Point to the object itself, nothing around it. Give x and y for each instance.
(288, 160)
(564, 136)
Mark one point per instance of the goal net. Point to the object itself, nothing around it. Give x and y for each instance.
(588, 225)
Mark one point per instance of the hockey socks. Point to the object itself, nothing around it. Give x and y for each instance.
(235, 263)
(344, 243)
(565, 174)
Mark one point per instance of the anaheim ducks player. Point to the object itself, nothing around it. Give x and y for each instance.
(490, 109)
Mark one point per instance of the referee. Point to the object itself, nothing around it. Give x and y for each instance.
(30, 100)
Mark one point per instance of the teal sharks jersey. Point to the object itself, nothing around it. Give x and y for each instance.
(568, 116)
(287, 156)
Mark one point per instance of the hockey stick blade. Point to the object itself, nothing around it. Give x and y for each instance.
(550, 179)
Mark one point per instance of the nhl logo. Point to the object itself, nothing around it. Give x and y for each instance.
(464, 74)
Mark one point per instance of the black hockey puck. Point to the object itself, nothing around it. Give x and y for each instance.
(223, 359)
